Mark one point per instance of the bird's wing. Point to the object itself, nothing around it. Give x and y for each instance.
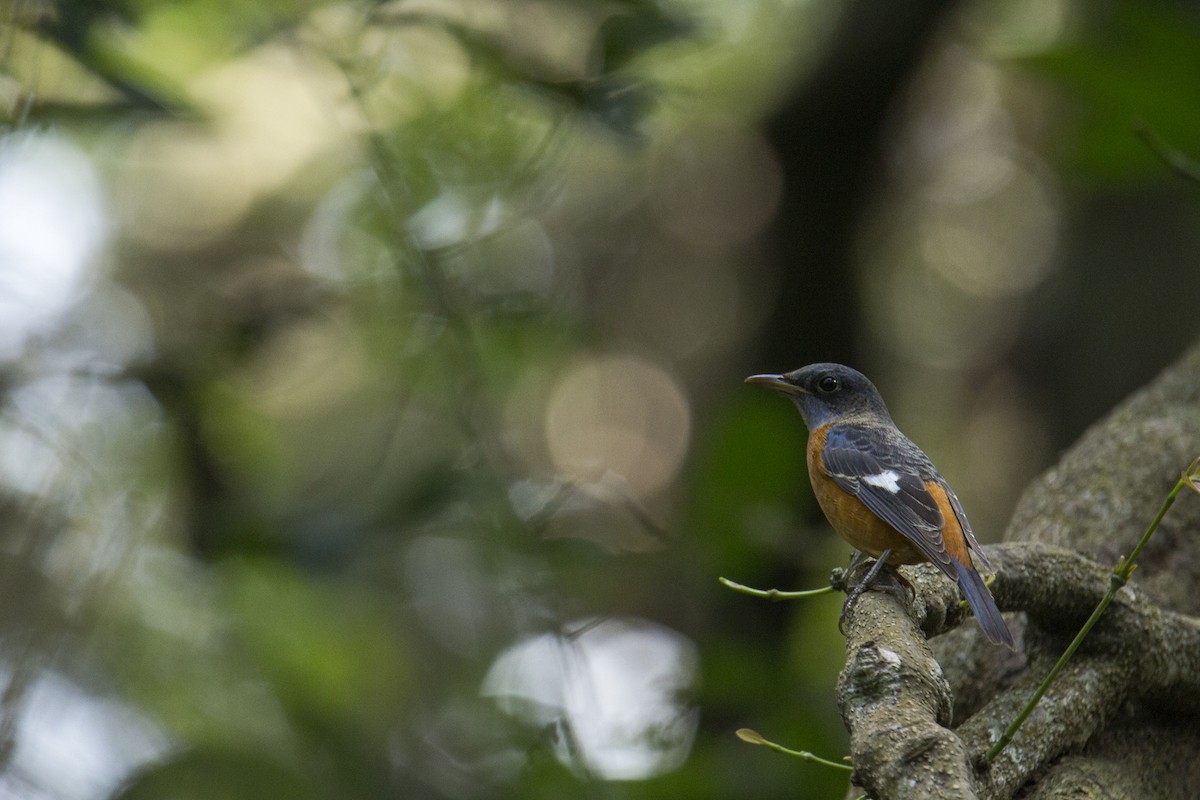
(972, 545)
(888, 474)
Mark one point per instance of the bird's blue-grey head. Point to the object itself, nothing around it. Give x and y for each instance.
(827, 393)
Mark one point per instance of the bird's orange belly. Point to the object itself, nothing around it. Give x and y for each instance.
(856, 523)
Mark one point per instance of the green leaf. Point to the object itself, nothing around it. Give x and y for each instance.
(1139, 67)
(750, 468)
(331, 652)
(215, 774)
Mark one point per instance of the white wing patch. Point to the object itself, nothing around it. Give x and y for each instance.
(888, 479)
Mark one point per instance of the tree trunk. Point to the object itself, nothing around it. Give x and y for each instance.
(1120, 721)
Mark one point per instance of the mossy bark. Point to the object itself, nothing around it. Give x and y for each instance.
(1123, 719)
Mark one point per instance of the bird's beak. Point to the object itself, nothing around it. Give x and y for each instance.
(776, 382)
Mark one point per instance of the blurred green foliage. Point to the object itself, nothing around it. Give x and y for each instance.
(1127, 70)
(354, 251)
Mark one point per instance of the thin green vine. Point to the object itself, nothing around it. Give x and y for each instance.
(1118, 578)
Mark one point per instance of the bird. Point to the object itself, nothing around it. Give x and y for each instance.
(879, 490)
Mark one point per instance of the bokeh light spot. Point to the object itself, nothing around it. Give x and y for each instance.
(613, 690)
(998, 244)
(51, 224)
(618, 414)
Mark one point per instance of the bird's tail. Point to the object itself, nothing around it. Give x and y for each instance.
(981, 602)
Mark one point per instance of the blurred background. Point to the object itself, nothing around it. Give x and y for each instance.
(371, 416)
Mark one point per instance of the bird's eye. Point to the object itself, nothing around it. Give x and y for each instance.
(828, 384)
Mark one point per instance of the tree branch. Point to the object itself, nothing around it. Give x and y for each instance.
(896, 705)
(896, 701)
(1143, 656)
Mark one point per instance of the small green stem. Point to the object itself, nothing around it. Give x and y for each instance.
(774, 595)
(753, 737)
(1118, 578)
(1170, 156)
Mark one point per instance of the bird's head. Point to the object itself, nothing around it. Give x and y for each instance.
(827, 393)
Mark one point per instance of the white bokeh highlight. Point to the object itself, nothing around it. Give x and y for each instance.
(52, 223)
(614, 691)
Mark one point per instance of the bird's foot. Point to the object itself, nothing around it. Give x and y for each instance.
(880, 576)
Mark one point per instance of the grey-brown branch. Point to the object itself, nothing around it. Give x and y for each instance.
(1122, 718)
